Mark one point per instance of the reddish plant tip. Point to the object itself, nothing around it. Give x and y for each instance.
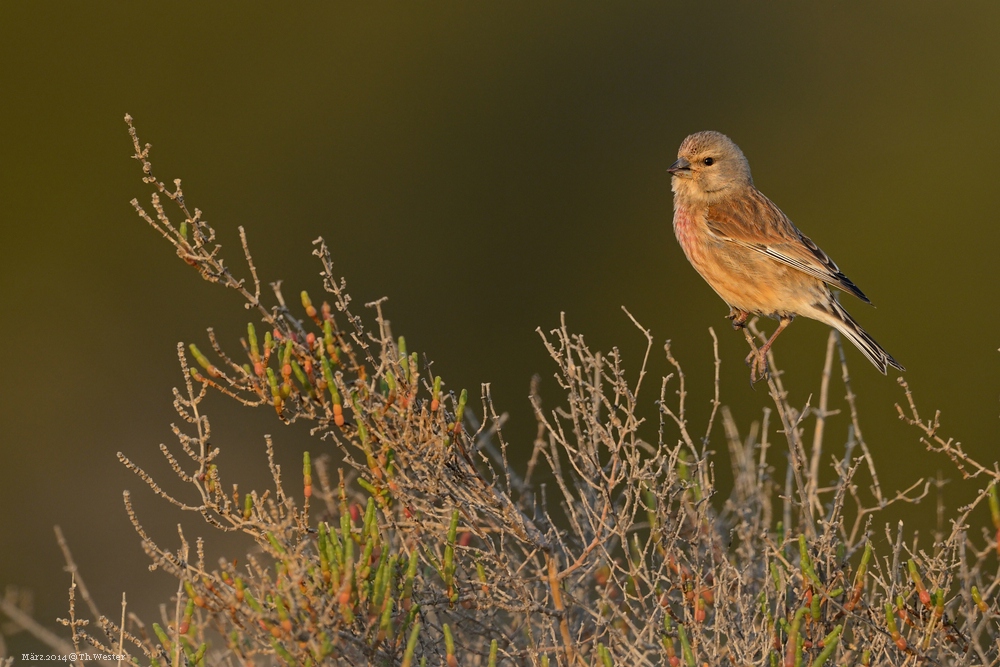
(435, 404)
(307, 491)
(355, 512)
(310, 339)
(465, 538)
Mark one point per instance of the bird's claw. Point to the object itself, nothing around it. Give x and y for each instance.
(738, 318)
(758, 366)
(756, 360)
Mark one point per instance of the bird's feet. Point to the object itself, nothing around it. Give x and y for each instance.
(756, 360)
(738, 318)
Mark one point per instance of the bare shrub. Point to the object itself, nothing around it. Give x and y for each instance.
(427, 547)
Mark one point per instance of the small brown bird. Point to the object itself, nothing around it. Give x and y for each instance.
(751, 254)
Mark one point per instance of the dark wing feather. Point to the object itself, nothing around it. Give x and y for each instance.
(753, 221)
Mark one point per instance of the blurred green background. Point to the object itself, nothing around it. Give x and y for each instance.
(486, 167)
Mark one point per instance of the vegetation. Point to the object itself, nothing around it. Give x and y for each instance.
(422, 544)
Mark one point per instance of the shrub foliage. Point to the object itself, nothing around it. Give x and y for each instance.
(422, 544)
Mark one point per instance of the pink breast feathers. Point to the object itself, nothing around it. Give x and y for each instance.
(685, 232)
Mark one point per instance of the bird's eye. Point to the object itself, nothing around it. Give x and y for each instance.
(708, 162)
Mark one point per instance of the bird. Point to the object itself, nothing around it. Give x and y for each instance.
(751, 254)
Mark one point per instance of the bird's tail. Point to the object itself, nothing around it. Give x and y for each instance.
(841, 320)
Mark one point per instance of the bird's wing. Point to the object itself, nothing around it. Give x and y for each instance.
(755, 222)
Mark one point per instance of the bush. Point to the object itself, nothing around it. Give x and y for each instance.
(425, 546)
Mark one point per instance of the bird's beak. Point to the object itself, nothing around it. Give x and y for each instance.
(682, 165)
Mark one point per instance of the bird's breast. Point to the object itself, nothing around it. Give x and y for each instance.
(744, 278)
(685, 229)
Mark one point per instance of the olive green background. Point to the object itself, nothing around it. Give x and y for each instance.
(486, 166)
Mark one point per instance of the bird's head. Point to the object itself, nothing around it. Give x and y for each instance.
(709, 166)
